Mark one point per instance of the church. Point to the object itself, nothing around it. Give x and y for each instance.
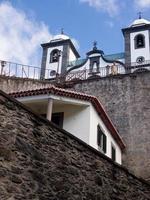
(120, 82)
(61, 58)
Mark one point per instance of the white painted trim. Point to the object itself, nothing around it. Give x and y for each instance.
(54, 97)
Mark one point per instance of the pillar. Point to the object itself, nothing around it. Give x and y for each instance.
(49, 109)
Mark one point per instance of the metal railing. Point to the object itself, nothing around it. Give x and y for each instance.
(25, 71)
(19, 70)
(109, 71)
(80, 74)
(95, 72)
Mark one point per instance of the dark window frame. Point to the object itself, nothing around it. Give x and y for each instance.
(113, 152)
(61, 116)
(136, 38)
(57, 114)
(101, 139)
(52, 58)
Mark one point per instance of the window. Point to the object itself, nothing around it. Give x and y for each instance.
(140, 59)
(139, 41)
(54, 56)
(101, 140)
(113, 153)
(57, 118)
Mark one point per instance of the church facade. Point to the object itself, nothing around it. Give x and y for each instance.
(61, 58)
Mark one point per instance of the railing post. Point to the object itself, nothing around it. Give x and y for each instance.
(9, 69)
(22, 70)
(28, 71)
(15, 69)
(34, 73)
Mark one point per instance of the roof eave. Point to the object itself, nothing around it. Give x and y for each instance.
(95, 102)
(135, 28)
(50, 44)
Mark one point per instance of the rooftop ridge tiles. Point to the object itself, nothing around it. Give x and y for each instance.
(55, 88)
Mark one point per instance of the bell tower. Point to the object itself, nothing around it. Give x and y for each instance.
(137, 42)
(56, 56)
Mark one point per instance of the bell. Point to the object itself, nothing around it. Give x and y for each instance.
(140, 42)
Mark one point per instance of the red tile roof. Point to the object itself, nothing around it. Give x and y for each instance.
(77, 95)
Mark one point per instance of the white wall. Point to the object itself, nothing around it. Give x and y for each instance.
(80, 119)
(94, 121)
(145, 52)
(72, 56)
(53, 66)
(76, 120)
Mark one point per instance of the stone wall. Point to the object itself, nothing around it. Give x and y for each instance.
(39, 161)
(13, 84)
(127, 101)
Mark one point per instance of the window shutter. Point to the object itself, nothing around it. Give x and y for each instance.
(113, 153)
(104, 143)
(98, 136)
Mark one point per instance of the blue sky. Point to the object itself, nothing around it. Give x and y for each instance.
(83, 20)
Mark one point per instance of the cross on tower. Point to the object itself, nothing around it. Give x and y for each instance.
(62, 31)
(94, 45)
(140, 14)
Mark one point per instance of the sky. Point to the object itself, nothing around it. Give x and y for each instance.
(25, 24)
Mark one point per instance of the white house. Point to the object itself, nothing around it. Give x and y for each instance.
(80, 114)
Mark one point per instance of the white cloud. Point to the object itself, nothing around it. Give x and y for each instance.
(142, 3)
(20, 37)
(109, 6)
